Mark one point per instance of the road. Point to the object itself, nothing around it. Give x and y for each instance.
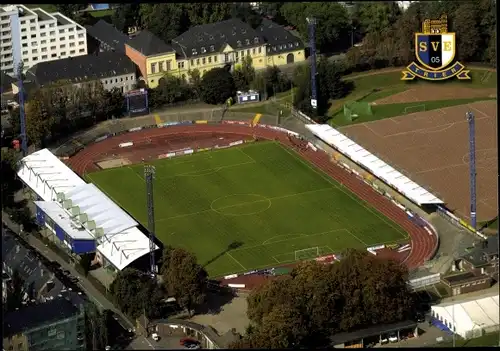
(95, 295)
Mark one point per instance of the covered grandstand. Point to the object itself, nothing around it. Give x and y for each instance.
(373, 164)
(469, 319)
(82, 217)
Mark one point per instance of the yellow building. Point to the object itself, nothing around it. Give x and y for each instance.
(209, 46)
(215, 45)
(153, 57)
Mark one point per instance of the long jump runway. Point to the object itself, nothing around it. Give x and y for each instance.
(432, 149)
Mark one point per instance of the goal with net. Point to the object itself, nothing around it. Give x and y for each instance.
(307, 254)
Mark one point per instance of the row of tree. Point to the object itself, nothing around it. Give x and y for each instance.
(62, 108)
(136, 293)
(316, 301)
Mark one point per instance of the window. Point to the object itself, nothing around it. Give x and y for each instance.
(44, 57)
(153, 68)
(160, 66)
(256, 40)
(236, 54)
(63, 53)
(53, 48)
(25, 53)
(24, 37)
(62, 38)
(42, 26)
(203, 50)
(33, 36)
(248, 52)
(72, 52)
(35, 58)
(210, 59)
(212, 48)
(105, 81)
(63, 46)
(126, 78)
(23, 30)
(32, 21)
(203, 61)
(71, 29)
(226, 57)
(81, 50)
(81, 42)
(238, 43)
(52, 40)
(80, 35)
(71, 37)
(121, 79)
(116, 80)
(197, 62)
(52, 25)
(33, 28)
(290, 45)
(71, 45)
(253, 51)
(194, 52)
(180, 64)
(34, 51)
(53, 55)
(169, 65)
(215, 58)
(43, 42)
(192, 62)
(274, 48)
(247, 41)
(44, 49)
(52, 32)
(25, 45)
(297, 43)
(61, 31)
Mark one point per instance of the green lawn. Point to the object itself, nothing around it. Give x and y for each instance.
(393, 110)
(389, 82)
(46, 7)
(248, 207)
(101, 13)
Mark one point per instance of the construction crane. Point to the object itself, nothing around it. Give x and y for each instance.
(472, 167)
(311, 21)
(149, 172)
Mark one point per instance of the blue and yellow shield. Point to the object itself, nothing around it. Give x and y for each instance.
(435, 51)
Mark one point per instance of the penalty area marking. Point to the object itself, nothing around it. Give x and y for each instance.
(262, 199)
(235, 260)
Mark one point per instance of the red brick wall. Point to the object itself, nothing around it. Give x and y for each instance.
(137, 58)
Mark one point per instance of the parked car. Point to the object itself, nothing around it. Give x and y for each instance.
(190, 343)
(155, 337)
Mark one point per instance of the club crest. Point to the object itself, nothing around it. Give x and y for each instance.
(435, 53)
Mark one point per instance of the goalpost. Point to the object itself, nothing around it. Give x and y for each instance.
(306, 254)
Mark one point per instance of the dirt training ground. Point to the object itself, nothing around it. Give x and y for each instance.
(432, 148)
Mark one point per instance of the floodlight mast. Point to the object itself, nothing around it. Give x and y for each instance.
(149, 172)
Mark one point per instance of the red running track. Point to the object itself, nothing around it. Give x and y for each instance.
(423, 245)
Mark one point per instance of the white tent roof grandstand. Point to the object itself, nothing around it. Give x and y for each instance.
(62, 218)
(379, 168)
(469, 315)
(46, 175)
(119, 240)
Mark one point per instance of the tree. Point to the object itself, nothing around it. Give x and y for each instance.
(373, 17)
(205, 13)
(244, 75)
(125, 16)
(38, 121)
(333, 23)
(136, 293)
(86, 263)
(165, 20)
(10, 184)
(217, 85)
(195, 81)
(96, 327)
(70, 10)
(316, 301)
(115, 105)
(244, 12)
(184, 278)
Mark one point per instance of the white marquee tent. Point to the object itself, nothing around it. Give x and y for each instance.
(470, 318)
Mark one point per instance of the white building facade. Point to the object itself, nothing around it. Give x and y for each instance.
(32, 36)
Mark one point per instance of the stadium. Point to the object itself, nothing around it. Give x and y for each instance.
(244, 196)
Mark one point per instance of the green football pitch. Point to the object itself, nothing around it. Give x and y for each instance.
(249, 207)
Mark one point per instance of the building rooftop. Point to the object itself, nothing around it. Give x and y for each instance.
(61, 20)
(81, 68)
(148, 44)
(461, 278)
(279, 38)
(42, 15)
(202, 39)
(375, 330)
(108, 34)
(36, 315)
(483, 252)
